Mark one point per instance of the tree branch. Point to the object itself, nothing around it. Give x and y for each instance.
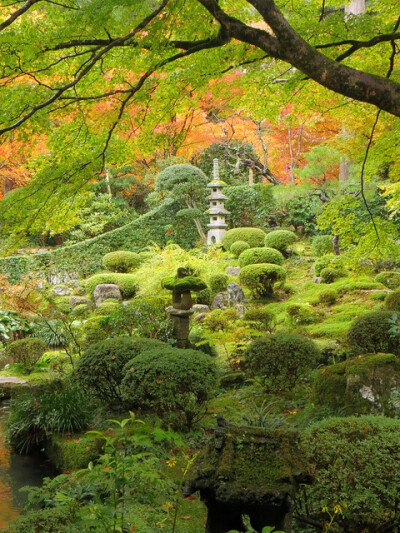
(23, 9)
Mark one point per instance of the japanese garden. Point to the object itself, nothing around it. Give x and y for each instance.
(199, 266)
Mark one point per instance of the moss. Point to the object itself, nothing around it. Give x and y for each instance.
(361, 385)
(392, 301)
(72, 453)
(247, 464)
(186, 284)
(238, 247)
(261, 255)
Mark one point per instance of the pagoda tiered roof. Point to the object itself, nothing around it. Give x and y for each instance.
(217, 196)
(218, 211)
(216, 183)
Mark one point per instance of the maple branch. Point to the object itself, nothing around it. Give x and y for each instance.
(287, 45)
(23, 9)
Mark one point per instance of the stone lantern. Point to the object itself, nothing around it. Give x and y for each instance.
(217, 209)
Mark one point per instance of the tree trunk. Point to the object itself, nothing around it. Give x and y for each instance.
(335, 242)
(356, 7)
(200, 229)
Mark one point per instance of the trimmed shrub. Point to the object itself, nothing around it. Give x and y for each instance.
(328, 260)
(355, 460)
(53, 520)
(280, 239)
(329, 275)
(220, 319)
(280, 360)
(100, 368)
(204, 296)
(121, 261)
(261, 255)
(301, 314)
(26, 352)
(238, 247)
(392, 301)
(391, 280)
(260, 279)
(370, 334)
(218, 282)
(174, 383)
(80, 311)
(322, 245)
(95, 329)
(107, 307)
(327, 296)
(253, 236)
(260, 318)
(126, 283)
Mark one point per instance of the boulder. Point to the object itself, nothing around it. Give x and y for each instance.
(200, 317)
(200, 308)
(318, 279)
(235, 294)
(105, 292)
(220, 301)
(366, 384)
(77, 300)
(61, 290)
(233, 271)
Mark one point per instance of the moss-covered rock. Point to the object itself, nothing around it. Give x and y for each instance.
(72, 453)
(362, 385)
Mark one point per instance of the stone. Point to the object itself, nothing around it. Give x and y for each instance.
(220, 301)
(241, 309)
(233, 271)
(77, 300)
(41, 251)
(200, 308)
(73, 283)
(318, 279)
(61, 290)
(105, 292)
(200, 317)
(235, 294)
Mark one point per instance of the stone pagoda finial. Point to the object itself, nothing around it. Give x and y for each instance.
(217, 211)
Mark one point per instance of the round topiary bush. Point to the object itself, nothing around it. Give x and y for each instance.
(107, 307)
(174, 383)
(301, 314)
(329, 274)
(280, 239)
(218, 282)
(328, 260)
(327, 296)
(125, 282)
(260, 318)
(204, 296)
(238, 247)
(121, 261)
(370, 334)
(99, 370)
(253, 236)
(391, 280)
(26, 352)
(355, 460)
(392, 301)
(260, 279)
(322, 245)
(280, 360)
(261, 255)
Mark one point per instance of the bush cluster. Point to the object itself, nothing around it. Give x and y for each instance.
(26, 352)
(121, 261)
(390, 279)
(370, 334)
(261, 318)
(218, 282)
(392, 301)
(261, 255)
(280, 360)
(329, 274)
(174, 383)
(328, 296)
(125, 282)
(301, 314)
(253, 236)
(328, 260)
(355, 460)
(280, 239)
(260, 279)
(322, 245)
(100, 369)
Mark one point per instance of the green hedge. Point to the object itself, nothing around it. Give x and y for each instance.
(85, 258)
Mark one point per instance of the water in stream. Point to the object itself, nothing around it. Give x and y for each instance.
(16, 471)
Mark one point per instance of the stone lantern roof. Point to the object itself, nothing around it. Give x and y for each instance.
(218, 210)
(217, 196)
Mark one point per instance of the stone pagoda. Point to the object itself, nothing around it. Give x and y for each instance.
(217, 209)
